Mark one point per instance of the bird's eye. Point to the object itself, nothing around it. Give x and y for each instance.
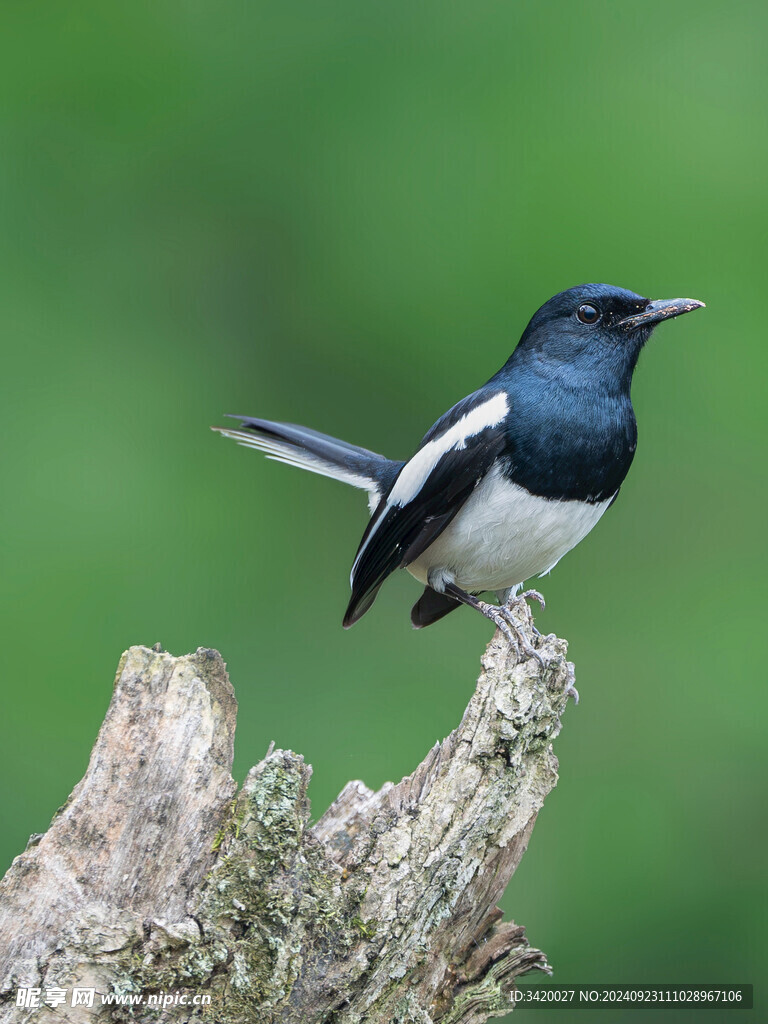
(587, 313)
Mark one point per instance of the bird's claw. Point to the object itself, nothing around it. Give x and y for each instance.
(494, 613)
(570, 689)
(533, 595)
(505, 621)
(519, 601)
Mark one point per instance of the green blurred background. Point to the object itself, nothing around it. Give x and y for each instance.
(343, 214)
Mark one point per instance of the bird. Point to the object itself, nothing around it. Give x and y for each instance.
(511, 478)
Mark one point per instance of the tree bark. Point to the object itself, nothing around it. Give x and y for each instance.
(157, 876)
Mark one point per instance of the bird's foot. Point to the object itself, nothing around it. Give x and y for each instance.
(570, 689)
(508, 623)
(518, 602)
(496, 615)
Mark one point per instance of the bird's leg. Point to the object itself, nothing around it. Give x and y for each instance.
(501, 617)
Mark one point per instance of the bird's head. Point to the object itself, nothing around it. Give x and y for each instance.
(596, 328)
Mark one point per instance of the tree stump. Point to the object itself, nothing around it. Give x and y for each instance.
(158, 877)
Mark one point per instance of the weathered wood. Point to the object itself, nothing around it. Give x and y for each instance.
(157, 876)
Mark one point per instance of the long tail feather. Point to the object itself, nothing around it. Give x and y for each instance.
(318, 453)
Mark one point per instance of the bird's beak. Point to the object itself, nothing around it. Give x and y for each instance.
(658, 310)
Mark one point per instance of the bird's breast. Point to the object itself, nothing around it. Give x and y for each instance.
(504, 535)
(570, 445)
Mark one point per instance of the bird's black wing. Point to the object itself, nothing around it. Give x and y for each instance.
(428, 492)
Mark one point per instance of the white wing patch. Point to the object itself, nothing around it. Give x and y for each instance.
(415, 472)
(290, 455)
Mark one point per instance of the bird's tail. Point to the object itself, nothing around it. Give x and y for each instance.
(318, 453)
(430, 607)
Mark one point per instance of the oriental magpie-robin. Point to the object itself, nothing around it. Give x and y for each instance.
(510, 478)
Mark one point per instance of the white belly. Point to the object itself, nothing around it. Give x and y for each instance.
(504, 535)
